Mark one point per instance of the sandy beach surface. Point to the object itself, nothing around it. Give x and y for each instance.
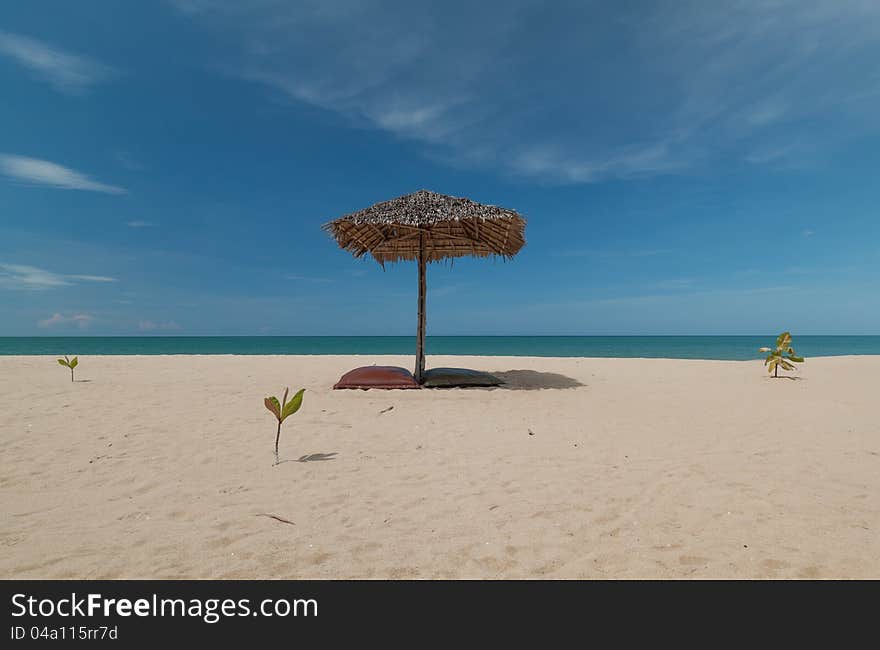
(162, 467)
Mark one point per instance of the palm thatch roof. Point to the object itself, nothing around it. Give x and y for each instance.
(446, 226)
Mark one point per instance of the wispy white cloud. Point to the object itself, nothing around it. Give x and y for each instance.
(17, 276)
(81, 321)
(66, 72)
(668, 88)
(149, 326)
(140, 224)
(44, 172)
(20, 276)
(629, 162)
(92, 278)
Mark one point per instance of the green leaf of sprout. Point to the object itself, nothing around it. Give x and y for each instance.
(783, 356)
(273, 406)
(293, 405)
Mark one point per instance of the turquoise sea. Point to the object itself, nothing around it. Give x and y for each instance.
(671, 347)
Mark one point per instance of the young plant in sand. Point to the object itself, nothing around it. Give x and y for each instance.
(69, 363)
(782, 355)
(283, 409)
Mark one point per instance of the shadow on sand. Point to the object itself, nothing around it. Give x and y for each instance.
(308, 458)
(534, 380)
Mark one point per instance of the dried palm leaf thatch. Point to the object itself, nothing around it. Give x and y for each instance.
(440, 225)
(428, 227)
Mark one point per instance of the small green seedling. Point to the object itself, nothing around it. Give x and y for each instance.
(782, 355)
(282, 409)
(69, 363)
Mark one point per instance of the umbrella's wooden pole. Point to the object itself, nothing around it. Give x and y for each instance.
(420, 337)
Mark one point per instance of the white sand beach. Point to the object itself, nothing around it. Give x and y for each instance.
(162, 467)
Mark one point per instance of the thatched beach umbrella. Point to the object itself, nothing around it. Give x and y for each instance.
(428, 227)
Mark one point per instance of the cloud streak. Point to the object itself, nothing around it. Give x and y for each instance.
(33, 171)
(81, 321)
(66, 72)
(20, 276)
(580, 93)
(151, 326)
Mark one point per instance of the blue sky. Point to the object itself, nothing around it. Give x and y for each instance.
(165, 167)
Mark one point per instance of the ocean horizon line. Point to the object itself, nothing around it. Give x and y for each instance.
(397, 336)
(732, 347)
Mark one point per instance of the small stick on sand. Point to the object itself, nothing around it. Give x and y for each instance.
(385, 410)
(276, 517)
